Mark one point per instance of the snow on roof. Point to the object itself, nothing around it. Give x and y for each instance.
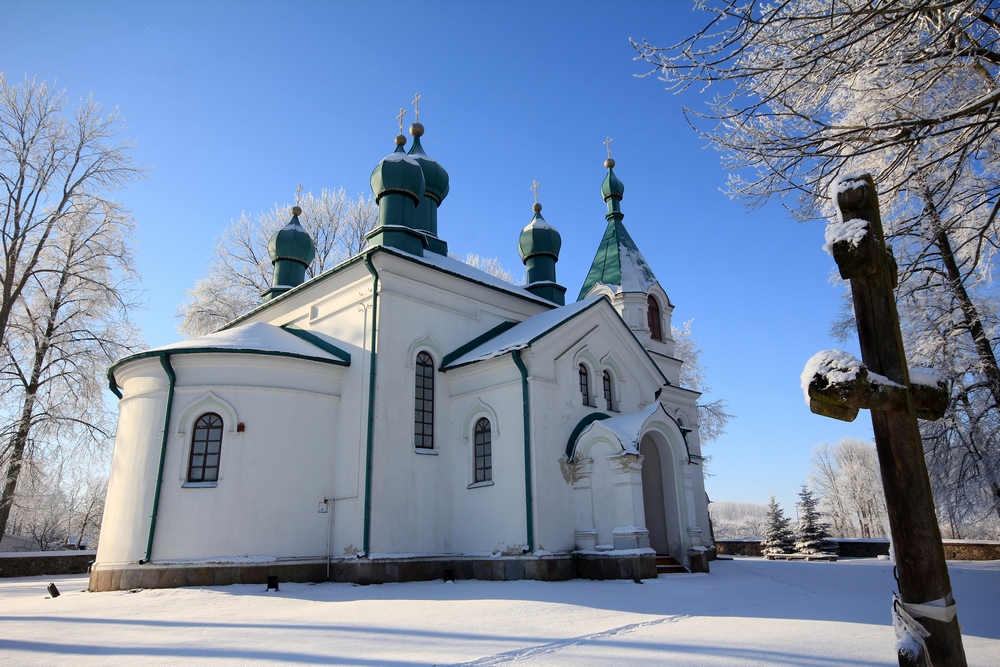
(522, 335)
(619, 264)
(472, 273)
(626, 428)
(258, 337)
(538, 222)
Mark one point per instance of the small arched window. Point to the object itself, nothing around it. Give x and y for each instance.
(484, 451)
(585, 384)
(653, 318)
(608, 395)
(206, 448)
(423, 410)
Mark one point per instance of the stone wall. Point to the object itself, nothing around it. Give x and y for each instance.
(38, 563)
(870, 548)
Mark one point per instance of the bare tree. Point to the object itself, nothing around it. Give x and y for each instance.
(241, 266)
(712, 417)
(846, 476)
(734, 519)
(908, 90)
(52, 165)
(72, 322)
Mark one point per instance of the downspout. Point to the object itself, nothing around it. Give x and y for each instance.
(171, 382)
(371, 408)
(529, 515)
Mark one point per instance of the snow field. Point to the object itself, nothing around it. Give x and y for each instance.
(746, 612)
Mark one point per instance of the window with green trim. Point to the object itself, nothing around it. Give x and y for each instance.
(206, 449)
(484, 451)
(423, 408)
(585, 384)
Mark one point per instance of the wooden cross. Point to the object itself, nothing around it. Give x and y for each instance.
(607, 144)
(534, 188)
(402, 112)
(416, 107)
(840, 385)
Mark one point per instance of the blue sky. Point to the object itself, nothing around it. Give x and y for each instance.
(234, 104)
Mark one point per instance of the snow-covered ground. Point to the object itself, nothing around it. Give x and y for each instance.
(746, 612)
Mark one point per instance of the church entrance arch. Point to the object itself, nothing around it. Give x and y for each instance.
(659, 494)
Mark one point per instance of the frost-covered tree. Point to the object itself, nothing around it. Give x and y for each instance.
(712, 416)
(54, 163)
(72, 321)
(846, 476)
(778, 536)
(735, 519)
(241, 268)
(811, 535)
(908, 90)
(490, 265)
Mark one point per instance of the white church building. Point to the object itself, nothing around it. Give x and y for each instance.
(406, 416)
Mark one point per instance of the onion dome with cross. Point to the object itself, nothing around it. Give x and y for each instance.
(436, 182)
(292, 251)
(539, 246)
(399, 186)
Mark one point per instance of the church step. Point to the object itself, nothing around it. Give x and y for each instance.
(669, 565)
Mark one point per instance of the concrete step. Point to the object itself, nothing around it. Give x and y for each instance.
(669, 565)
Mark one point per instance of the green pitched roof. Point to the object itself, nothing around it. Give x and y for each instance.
(618, 263)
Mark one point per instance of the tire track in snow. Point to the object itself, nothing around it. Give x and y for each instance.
(552, 647)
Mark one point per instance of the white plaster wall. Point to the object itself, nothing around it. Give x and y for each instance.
(127, 509)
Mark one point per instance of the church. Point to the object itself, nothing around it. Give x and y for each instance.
(405, 416)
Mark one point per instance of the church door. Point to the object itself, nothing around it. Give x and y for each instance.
(652, 496)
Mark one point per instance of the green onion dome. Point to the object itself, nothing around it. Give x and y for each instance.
(435, 176)
(398, 173)
(539, 238)
(612, 186)
(292, 242)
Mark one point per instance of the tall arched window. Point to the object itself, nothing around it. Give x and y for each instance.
(653, 318)
(484, 451)
(423, 410)
(608, 396)
(206, 447)
(585, 384)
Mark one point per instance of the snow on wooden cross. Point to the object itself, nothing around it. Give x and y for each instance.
(838, 385)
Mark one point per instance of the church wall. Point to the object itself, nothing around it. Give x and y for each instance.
(488, 518)
(134, 465)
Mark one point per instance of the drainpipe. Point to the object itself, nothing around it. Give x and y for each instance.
(171, 382)
(371, 408)
(529, 516)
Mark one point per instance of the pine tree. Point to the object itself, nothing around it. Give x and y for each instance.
(812, 536)
(778, 537)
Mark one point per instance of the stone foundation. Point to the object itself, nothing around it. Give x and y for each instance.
(556, 567)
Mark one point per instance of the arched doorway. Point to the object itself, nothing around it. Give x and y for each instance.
(659, 495)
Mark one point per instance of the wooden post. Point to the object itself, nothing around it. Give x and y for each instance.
(864, 259)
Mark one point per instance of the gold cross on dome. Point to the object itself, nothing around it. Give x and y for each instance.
(534, 188)
(607, 144)
(402, 112)
(416, 106)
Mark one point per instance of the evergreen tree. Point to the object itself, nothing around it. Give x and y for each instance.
(778, 537)
(812, 536)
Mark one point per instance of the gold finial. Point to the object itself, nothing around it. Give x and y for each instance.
(296, 210)
(416, 107)
(402, 112)
(610, 162)
(534, 188)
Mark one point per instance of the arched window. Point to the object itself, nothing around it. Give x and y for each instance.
(608, 396)
(484, 451)
(423, 410)
(585, 384)
(653, 318)
(206, 447)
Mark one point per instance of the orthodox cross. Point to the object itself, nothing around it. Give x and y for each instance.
(534, 188)
(402, 112)
(607, 144)
(416, 107)
(838, 385)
